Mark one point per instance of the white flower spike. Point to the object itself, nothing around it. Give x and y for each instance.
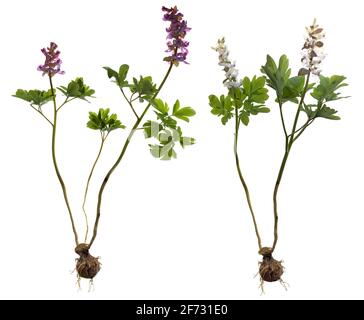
(231, 73)
(312, 52)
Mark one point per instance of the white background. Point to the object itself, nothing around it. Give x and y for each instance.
(179, 229)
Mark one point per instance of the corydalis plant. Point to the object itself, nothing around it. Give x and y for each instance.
(311, 98)
(165, 129)
(87, 266)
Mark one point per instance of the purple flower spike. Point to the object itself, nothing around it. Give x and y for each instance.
(52, 64)
(176, 34)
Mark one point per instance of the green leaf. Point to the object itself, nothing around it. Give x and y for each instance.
(77, 89)
(103, 121)
(251, 97)
(182, 113)
(35, 97)
(144, 87)
(327, 88)
(277, 76)
(166, 131)
(123, 72)
(293, 89)
(119, 77)
(258, 93)
(112, 74)
(244, 117)
(246, 86)
(284, 65)
(161, 106)
(327, 113)
(309, 109)
(222, 107)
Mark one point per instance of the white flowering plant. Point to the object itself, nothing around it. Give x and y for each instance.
(311, 93)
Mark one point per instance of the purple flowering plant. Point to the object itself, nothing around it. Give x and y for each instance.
(140, 92)
(309, 92)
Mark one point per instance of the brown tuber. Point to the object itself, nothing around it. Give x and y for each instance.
(270, 270)
(87, 266)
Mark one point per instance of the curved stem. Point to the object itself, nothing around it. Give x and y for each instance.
(275, 193)
(289, 142)
(56, 165)
(299, 109)
(129, 102)
(245, 186)
(103, 138)
(282, 117)
(125, 147)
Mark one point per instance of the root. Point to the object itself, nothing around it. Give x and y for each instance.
(91, 285)
(284, 284)
(261, 286)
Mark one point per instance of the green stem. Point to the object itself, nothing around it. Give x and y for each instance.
(289, 142)
(282, 117)
(65, 101)
(125, 147)
(42, 114)
(302, 129)
(56, 165)
(245, 186)
(298, 110)
(129, 102)
(103, 138)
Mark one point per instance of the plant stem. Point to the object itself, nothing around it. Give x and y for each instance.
(302, 129)
(42, 114)
(103, 138)
(245, 186)
(125, 147)
(56, 165)
(129, 102)
(289, 142)
(282, 117)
